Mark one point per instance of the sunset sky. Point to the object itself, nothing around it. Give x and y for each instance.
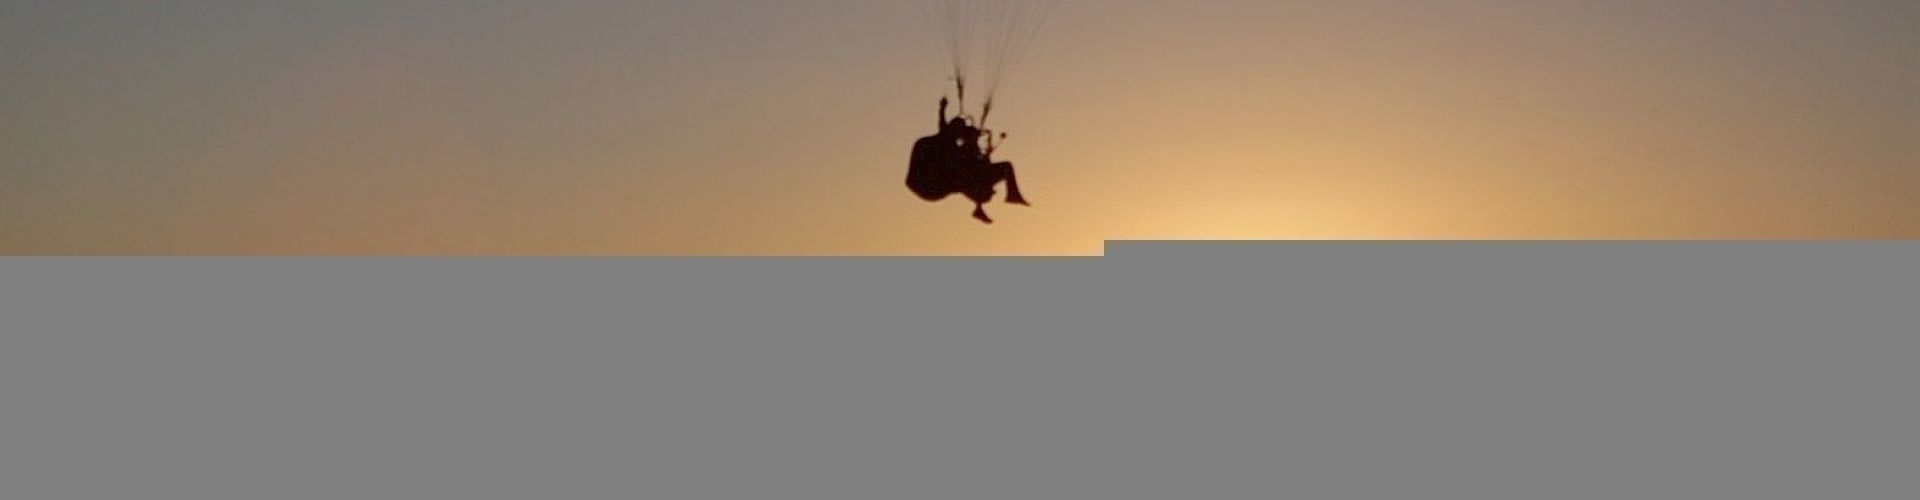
(782, 127)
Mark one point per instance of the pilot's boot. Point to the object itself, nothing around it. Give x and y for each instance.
(1013, 191)
(1014, 197)
(981, 213)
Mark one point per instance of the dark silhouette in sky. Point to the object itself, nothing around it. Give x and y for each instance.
(952, 162)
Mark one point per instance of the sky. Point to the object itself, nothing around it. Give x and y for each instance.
(782, 127)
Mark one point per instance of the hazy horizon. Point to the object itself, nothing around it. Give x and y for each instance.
(767, 127)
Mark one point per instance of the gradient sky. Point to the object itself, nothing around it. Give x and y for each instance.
(748, 127)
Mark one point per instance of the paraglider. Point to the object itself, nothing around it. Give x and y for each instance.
(952, 162)
(984, 42)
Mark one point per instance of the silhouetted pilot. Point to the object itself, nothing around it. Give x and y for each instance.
(952, 162)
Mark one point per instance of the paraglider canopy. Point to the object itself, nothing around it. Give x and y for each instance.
(985, 41)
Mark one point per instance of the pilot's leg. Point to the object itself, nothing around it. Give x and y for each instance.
(979, 190)
(1003, 171)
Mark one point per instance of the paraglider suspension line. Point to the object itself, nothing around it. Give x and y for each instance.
(960, 83)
